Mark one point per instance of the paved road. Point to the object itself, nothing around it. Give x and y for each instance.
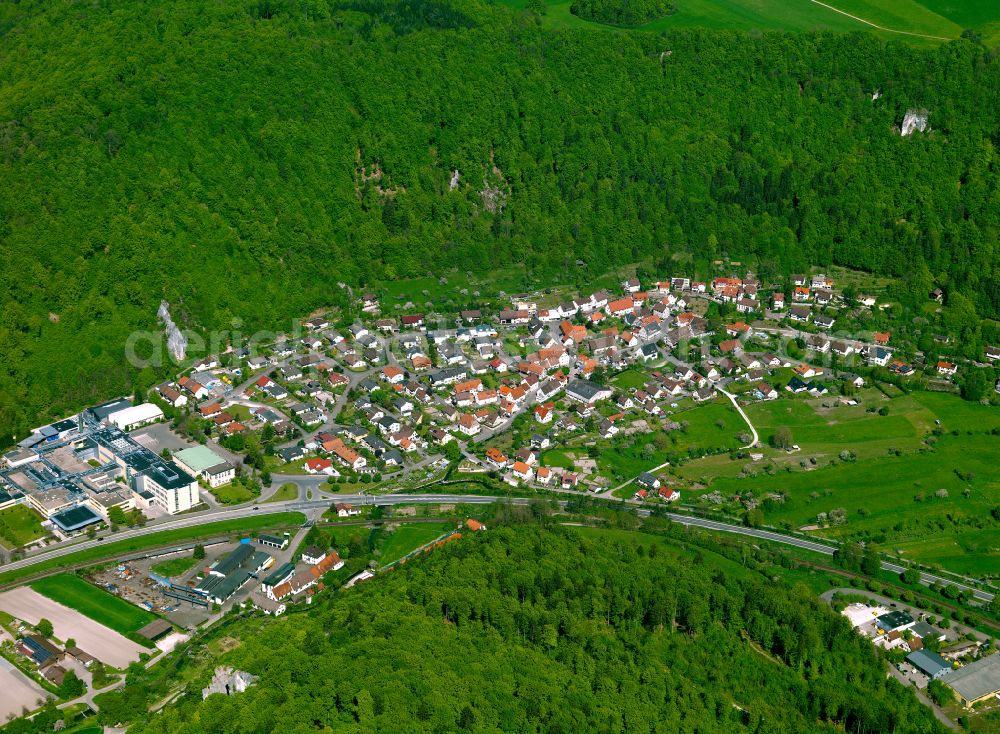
(299, 505)
(187, 521)
(732, 399)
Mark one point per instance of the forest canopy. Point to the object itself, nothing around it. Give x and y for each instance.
(523, 629)
(240, 158)
(622, 12)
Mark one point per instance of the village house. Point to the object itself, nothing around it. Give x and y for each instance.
(496, 458)
(320, 466)
(170, 395)
(468, 425)
(878, 356)
(522, 471)
(947, 369)
(647, 481)
(824, 322)
(799, 313)
(346, 510)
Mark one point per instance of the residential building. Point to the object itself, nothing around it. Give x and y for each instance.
(587, 392)
(202, 462)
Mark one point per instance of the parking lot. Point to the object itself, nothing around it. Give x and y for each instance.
(912, 675)
(158, 437)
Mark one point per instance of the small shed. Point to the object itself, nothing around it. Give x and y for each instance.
(155, 629)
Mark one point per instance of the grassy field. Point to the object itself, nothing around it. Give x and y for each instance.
(233, 493)
(558, 457)
(153, 539)
(89, 600)
(711, 425)
(630, 378)
(285, 493)
(931, 20)
(927, 497)
(174, 566)
(19, 525)
(625, 462)
(409, 536)
(974, 552)
(826, 431)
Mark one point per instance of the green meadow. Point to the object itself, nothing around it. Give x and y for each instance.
(410, 536)
(926, 22)
(19, 525)
(89, 600)
(921, 481)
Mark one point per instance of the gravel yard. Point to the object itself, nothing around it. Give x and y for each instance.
(17, 691)
(104, 644)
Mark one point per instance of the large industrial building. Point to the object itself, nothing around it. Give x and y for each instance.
(74, 471)
(976, 682)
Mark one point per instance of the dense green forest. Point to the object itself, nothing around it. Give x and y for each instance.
(622, 12)
(530, 629)
(240, 157)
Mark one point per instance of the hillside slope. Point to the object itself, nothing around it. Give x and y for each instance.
(525, 629)
(239, 158)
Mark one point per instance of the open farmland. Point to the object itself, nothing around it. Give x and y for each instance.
(900, 484)
(100, 641)
(826, 431)
(921, 22)
(95, 603)
(711, 426)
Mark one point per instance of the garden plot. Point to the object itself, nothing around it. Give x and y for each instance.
(103, 643)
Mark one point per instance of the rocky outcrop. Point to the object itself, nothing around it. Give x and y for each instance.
(228, 682)
(914, 121)
(495, 188)
(176, 341)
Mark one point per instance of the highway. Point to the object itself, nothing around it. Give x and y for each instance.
(314, 507)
